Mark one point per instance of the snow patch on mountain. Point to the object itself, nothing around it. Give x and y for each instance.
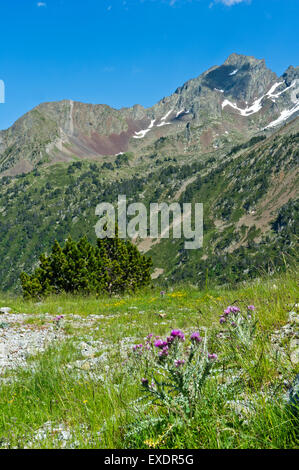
(163, 124)
(166, 115)
(254, 108)
(163, 119)
(285, 114)
(257, 105)
(141, 134)
(180, 112)
(270, 93)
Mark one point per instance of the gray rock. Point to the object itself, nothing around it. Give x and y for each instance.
(293, 397)
(294, 317)
(5, 310)
(87, 350)
(18, 342)
(294, 347)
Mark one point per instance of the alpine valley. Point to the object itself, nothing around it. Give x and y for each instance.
(228, 138)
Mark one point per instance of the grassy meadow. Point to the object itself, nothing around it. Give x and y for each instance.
(102, 403)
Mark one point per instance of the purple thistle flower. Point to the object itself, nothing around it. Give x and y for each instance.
(164, 352)
(178, 334)
(235, 309)
(58, 318)
(212, 357)
(251, 307)
(222, 320)
(137, 346)
(169, 340)
(144, 382)
(179, 362)
(159, 343)
(233, 323)
(195, 337)
(231, 309)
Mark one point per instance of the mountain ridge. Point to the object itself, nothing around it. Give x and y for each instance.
(66, 129)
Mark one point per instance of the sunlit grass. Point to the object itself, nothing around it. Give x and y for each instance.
(99, 412)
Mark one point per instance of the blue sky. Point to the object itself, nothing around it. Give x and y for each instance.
(122, 52)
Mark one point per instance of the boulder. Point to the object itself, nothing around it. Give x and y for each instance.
(5, 310)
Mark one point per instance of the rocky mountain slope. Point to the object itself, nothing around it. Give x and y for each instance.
(226, 104)
(228, 138)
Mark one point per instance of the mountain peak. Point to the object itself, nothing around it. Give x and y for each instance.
(239, 94)
(242, 77)
(241, 59)
(291, 74)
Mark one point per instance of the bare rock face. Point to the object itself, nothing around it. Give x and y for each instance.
(249, 77)
(240, 77)
(290, 75)
(241, 95)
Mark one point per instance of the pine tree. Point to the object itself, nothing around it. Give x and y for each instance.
(113, 266)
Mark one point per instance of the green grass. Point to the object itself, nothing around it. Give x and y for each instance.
(107, 413)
